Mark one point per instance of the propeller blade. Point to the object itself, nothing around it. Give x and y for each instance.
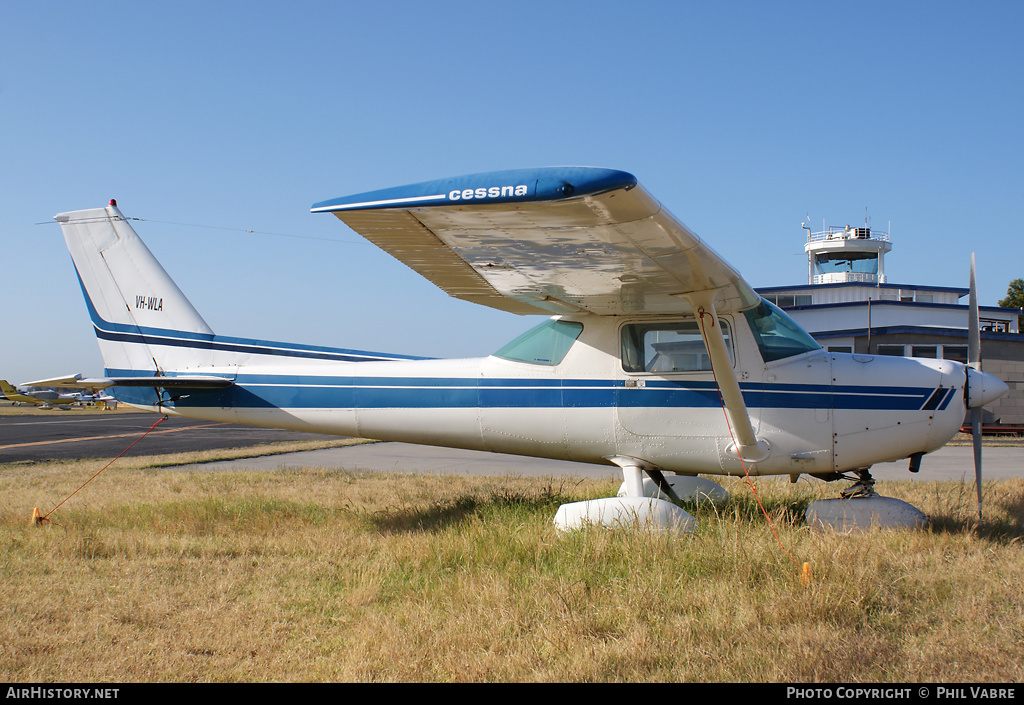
(976, 440)
(973, 324)
(974, 362)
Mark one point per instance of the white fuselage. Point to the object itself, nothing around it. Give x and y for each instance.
(819, 412)
(678, 366)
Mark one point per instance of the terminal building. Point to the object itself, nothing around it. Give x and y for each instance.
(849, 306)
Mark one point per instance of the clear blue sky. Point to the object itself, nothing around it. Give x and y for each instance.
(741, 117)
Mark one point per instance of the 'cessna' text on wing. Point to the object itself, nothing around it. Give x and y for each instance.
(491, 192)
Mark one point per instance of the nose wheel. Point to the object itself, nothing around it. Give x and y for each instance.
(859, 508)
(863, 484)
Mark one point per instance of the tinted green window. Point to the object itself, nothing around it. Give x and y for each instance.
(777, 334)
(545, 344)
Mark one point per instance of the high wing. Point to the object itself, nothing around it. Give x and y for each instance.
(552, 240)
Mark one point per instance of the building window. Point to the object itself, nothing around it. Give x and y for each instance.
(957, 353)
(895, 350)
(840, 348)
(789, 300)
(842, 261)
(929, 351)
(994, 326)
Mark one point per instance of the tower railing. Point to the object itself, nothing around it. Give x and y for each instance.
(845, 277)
(836, 232)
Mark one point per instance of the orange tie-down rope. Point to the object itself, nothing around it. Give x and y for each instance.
(38, 518)
(746, 472)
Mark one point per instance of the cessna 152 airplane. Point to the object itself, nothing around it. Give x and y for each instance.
(658, 358)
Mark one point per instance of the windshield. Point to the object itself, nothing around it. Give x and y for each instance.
(777, 334)
(545, 344)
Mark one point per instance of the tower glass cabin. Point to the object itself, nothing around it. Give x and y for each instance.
(844, 255)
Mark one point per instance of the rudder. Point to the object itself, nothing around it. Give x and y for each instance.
(142, 319)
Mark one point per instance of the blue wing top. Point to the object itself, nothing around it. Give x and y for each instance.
(550, 240)
(519, 185)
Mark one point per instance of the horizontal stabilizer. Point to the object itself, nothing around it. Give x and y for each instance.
(181, 381)
(65, 381)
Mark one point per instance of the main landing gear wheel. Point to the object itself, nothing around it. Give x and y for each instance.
(624, 513)
(687, 488)
(637, 506)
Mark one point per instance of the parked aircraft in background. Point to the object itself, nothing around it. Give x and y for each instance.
(42, 394)
(659, 357)
(12, 393)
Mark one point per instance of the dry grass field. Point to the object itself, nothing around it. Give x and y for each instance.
(154, 574)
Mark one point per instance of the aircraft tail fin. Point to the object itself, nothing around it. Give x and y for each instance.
(12, 394)
(143, 321)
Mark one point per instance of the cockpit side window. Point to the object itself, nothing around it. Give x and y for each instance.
(667, 346)
(546, 344)
(778, 336)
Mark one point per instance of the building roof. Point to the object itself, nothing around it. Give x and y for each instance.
(959, 291)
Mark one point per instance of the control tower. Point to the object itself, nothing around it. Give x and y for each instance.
(842, 254)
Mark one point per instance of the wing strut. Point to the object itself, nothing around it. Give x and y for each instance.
(745, 445)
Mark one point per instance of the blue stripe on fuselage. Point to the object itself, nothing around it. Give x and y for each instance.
(130, 333)
(354, 392)
(253, 347)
